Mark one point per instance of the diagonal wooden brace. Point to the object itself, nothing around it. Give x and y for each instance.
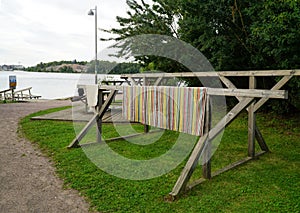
(200, 146)
(279, 85)
(94, 119)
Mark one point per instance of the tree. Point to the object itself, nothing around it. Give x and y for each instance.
(247, 35)
(232, 34)
(158, 18)
(108, 67)
(240, 35)
(66, 69)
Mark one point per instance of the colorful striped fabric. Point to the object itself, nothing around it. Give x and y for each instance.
(175, 108)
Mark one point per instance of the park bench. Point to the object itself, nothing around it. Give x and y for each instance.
(17, 95)
(3, 94)
(25, 94)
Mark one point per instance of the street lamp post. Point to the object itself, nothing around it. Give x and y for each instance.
(91, 13)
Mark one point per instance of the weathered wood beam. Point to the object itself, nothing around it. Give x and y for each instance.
(127, 81)
(22, 90)
(228, 83)
(260, 73)
(249, 93)
(132, 135)
(139, 81)
(229, 117)
(277, 86)
(246, 73)
(132, 81)
(224, 169)
(145, 83)
(198, 149)
(261, 141)
(190, 166)
(107, 103)
(206, 168)
(157, 82)
(99, 120)
(84, 131)
(93, 120)
(7, 90)
(251, 121)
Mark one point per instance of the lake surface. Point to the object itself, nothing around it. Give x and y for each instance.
(50, 85)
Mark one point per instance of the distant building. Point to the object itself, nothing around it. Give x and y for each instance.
(18, 67)
(7, 67)
(11, 67)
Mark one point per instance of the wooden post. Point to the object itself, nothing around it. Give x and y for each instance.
(13, 95)
(206, 168)
(251, 121)
(189, 168)
(146, 127)
(99, 121)
(261, 141)
(95, 118)
(258, 135)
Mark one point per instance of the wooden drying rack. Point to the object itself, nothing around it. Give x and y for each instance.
(247, 100)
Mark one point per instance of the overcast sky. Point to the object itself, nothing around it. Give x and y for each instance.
(34, 31)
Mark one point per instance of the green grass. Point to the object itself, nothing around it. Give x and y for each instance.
(270, 184)
(7, 101)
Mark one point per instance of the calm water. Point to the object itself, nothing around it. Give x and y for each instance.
(49, 85)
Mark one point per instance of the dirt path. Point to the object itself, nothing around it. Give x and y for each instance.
(27, 179)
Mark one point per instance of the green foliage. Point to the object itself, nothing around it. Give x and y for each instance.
(107, 67)
(274, 34)
(42, 67)
(7, 101)
(66, 69)
(158, 18)
(232, 34)
(145, 19)
(270, 184)
(242, 35)
(103, 67)
(247, 35)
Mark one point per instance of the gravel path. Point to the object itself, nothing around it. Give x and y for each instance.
(27, 179)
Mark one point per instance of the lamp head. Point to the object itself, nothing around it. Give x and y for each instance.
(91, 13)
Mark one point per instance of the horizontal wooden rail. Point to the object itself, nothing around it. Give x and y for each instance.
(258, 73)
(5, 91)
(250, 93)
(22, 90)
(225, 169)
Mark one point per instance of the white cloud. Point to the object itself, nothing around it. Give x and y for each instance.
(45, 30)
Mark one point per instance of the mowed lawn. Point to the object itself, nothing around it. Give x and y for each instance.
(268, 184)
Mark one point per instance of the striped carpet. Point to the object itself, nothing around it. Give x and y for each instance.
(175, 108)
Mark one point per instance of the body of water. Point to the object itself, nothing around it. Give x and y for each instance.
(50, 85)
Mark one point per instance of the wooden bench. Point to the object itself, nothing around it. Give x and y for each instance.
(4, 93)
(23, 95)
